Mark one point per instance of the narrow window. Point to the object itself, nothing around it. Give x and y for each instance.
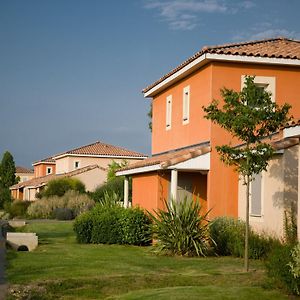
(186, 105)
(169, 112)
(49, 170)
(76, 164)
(255, 197)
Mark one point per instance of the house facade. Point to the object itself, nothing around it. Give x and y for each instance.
(24, 173)
(184, 160)
(87, 163)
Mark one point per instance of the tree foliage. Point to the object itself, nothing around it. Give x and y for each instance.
(7, 177)
(252, 117)
(113, 167)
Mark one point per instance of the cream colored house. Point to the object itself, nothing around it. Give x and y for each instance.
(274, 193)
(90, 176)
(24, 174)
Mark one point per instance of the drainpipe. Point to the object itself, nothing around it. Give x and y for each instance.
(126, 192)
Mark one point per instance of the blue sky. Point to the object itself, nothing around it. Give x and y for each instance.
(71, 72)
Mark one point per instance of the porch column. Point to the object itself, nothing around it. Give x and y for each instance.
(174, 179)
(126, 191)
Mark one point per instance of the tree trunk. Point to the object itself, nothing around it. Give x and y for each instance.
(246, 256)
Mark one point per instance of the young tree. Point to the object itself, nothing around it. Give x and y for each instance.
(251, 116)
(7, 177)
(113, 167)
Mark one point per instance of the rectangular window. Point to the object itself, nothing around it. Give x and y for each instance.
(169, 112)
(267, 83)
(76, 164)
(49, 170)
(186, 105)
(256, 196)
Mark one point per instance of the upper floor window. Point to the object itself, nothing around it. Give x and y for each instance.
(186, 105)
(76, 164)
(49, 170)
(256, 196)
(169, 112)
(267, 83)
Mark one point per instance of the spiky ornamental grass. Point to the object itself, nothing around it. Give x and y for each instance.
(181, 229)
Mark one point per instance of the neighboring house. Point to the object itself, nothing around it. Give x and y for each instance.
(184, 160)
(88, 163)
(44, 167)
(90, 176)
(98, 153)
(24, 174)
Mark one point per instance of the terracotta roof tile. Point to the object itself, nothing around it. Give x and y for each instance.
(99, 148)
(271, 48)
(23, 170)
(45, 160)
(40, 181)
(171, 158)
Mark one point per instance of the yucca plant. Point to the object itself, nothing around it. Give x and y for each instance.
(181, 229)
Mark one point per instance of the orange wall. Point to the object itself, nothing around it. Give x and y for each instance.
(222, 180)
(197, 130)
(149, 190)
(40, 169)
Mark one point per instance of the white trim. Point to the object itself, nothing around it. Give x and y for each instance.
(169, 112)
(199, 163)
(186, 105)
(49, 169)
(139, 170)
(291, 131)
(174, 181)
(260, 217)
(43, 162)
(100, 156)
(200, 61)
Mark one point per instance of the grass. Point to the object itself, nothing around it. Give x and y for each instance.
(62, 269)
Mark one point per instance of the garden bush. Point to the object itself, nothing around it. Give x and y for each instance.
(181, 229)
(72, 200)
(58, 187)
(62, 213)
(281, 267)
(17, 209)
(113, 224)
(229, 236)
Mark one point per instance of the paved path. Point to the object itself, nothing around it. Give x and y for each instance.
(3, 285)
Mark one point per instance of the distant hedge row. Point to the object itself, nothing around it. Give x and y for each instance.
(113, 225)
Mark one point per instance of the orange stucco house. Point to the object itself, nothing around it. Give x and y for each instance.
(184, 160)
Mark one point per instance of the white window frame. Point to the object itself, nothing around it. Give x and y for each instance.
(49, 170)
(256, 216)
(76, 162)
(169, 112)
(268, 82)
(186, 105)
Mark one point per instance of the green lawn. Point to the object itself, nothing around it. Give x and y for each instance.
(62, 269)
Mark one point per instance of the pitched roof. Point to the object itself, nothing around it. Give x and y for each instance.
(270, 48)
(23, 170)
(45, 160)
(171, 158)
(102, 149)
(40, 181)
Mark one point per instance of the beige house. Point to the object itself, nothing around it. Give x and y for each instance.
(87, 163)
(274, 193)
(24, 174)
(98, 153)
(90, 176)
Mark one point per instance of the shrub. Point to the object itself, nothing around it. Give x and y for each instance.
(17, 209)
(72, 200)
(113, 224)
(229, 236)
(279, 268)
(83, 227)
(136, 227)
(62, 213)
(58, 187)
(294, 266)
(115, 186)
(181, 229)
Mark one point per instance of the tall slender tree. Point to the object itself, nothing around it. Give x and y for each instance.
(251, 116)
(7, 177)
